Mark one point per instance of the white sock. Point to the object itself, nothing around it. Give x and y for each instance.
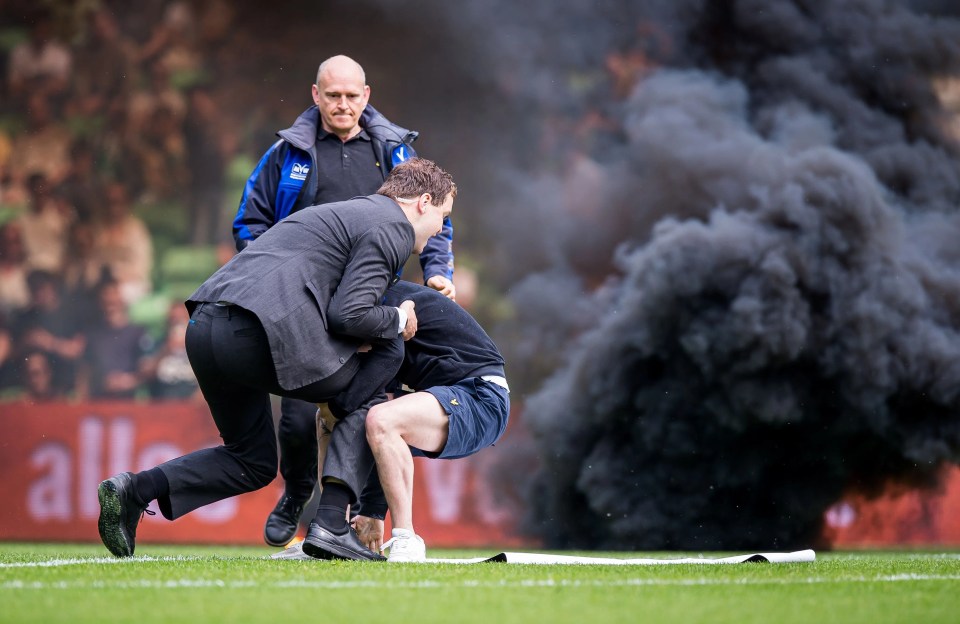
(402, 533)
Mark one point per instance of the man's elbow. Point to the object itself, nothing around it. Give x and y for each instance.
(337, 324)
(347, 324)
(358, 326)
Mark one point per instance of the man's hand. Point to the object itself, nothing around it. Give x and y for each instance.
(410, 329)
(370, 532)
(444, 286)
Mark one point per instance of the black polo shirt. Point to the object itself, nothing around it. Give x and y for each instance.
(345, 170)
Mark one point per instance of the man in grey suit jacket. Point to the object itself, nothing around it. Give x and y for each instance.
(287, 317)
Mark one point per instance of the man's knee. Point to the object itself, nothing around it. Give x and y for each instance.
(263, 466)
(380, 424)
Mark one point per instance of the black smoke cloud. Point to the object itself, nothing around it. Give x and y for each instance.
(747, 288)
(735, 284)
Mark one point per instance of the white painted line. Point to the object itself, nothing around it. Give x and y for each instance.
(505, 584)
(53, 563)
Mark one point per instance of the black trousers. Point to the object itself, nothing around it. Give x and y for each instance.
(230, 355)
(297, 435)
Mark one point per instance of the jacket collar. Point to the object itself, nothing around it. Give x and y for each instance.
(303, 133)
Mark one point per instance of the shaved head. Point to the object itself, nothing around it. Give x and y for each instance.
(341, 66)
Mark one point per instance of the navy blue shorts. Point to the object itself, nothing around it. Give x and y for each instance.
(478, 412)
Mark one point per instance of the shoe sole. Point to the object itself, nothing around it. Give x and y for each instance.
(278, 544)
(110, 523)
(293, 532)
(331, 552)
(406, 560)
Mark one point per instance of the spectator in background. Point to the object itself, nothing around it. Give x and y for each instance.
(112, 154)
(8, 373)
(160, 151)
(48, 327)
(81, 186)
(205, 166)
(173, 42)
(37, 379)
(167, 372)
(43, 148)
(14, 294)
(159, 93)
(123, 244)
(215, 24)
(84, 273)
(40, 65)
(137, 25)
(8, 192)
(44, 227)
(152, 134)
(103, 68)
(114, 359)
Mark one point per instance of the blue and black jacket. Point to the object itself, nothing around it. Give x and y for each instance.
(285, 181)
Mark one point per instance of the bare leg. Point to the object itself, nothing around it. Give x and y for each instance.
(412, 420)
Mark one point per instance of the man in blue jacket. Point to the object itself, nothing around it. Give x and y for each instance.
(337, 149)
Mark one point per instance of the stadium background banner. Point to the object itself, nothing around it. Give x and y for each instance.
(52, 456)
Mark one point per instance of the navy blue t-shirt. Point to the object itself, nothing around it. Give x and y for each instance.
(449, 345)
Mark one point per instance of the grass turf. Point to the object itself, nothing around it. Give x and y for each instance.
(83, 583)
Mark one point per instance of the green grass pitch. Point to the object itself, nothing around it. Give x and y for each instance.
(82, 583)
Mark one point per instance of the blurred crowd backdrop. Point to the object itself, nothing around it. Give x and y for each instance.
(715, 239)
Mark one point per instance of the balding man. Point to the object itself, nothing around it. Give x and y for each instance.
(337, 149)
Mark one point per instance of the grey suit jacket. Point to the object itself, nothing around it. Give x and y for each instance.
(315, 280)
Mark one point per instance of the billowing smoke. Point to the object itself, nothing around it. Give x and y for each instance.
(756, 249)
(728, 231)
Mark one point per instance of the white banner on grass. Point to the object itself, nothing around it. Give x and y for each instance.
(799, 556)
(295, 552)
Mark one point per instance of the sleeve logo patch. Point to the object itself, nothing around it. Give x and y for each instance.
(299, 172)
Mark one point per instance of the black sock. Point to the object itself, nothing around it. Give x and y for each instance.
(151, 485)
(332, 509)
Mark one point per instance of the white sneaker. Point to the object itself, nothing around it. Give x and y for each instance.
(405, 547)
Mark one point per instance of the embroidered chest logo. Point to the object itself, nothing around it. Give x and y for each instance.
(299, 172)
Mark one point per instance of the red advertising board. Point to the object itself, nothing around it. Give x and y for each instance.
(899, 517)
(52, 456)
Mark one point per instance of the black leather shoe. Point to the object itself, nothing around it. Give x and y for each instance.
(120, 512)
(282, 522)
(322, 544)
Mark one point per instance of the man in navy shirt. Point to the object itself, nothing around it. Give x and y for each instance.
(460, 405)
